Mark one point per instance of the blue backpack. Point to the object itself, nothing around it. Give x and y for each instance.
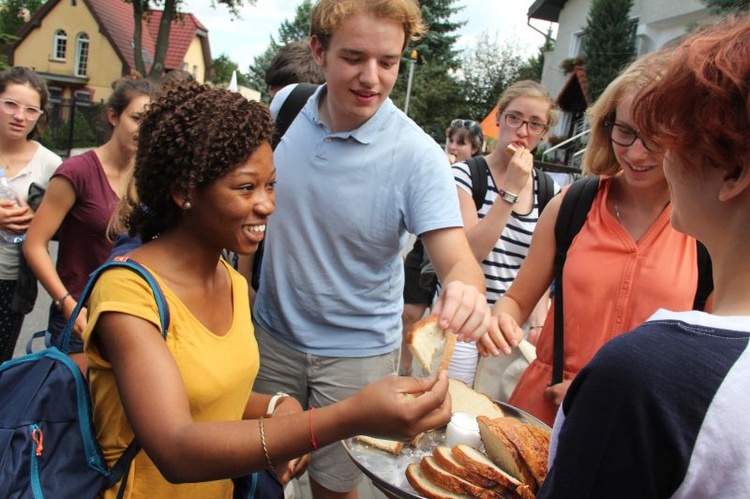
(48, 447)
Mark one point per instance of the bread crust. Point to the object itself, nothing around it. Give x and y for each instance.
(392, 446)
(477, 462)
(503, 438)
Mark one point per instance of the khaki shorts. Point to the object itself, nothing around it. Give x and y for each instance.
(320, 381)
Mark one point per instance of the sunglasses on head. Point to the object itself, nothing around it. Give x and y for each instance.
(470, 125)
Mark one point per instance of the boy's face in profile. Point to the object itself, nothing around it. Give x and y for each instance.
(361, 66)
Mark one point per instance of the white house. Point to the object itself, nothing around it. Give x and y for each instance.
(659, 22)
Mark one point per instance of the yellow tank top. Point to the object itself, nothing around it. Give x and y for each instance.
(218, 373)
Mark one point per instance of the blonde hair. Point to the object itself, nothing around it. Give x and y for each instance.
(529, 88)
(599, 157)
(327, 15)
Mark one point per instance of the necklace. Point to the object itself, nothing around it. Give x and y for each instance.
(617, 213)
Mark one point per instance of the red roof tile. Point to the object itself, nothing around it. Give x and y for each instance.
(116, 20)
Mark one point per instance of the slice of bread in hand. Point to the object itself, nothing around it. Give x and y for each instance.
(482, 465)
(465, 399)
(426, 341)
(424, 486)
(503, 451)
(392, 446)
(444, 457)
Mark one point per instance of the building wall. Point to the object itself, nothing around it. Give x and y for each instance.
(36, 50)
(659, 22)
(194, 62)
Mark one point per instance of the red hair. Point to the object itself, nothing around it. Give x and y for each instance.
(699, 109)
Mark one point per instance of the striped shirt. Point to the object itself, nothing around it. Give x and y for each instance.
(501, 265)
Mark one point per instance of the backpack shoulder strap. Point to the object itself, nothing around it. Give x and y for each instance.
(121, 262)
(574, 209)
(291, 107)
(478, 171)
(705, 278)
(545, 189)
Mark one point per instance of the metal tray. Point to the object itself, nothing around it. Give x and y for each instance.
(388, 472)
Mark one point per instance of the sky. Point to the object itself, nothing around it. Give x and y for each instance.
(243, 39)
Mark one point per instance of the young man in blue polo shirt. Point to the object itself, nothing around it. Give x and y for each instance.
(355, 176)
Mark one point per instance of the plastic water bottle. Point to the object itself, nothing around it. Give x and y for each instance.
(7, 192)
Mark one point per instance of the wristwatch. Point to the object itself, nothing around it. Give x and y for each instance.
(508, 197)
(273, 402)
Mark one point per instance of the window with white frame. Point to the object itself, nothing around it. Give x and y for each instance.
(576, 44)
(82, 98)
(59, 45)
(82, 55)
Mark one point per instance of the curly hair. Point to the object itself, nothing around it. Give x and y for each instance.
(191, 135)
(20, 75)
(700, 110)
(327, 15)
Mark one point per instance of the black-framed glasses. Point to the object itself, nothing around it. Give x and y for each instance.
(470, 125)
(12, 106)
(515, 121)
(624, 136)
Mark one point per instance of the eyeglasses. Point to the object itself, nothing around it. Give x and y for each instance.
(624, 136)
(515, 121)
(470, 125)
(11, 106)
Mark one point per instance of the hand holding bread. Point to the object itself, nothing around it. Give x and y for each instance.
(399, 407)
(519, 168)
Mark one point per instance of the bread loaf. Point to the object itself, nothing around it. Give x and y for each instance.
(504, 439)
(424, 486)
(465, 399)
(426, 340)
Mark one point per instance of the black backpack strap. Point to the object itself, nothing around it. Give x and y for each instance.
(705, 278)
(545, 189)
(291, 107)
(478, 171)
(574, 209)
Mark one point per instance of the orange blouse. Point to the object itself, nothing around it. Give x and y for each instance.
(611, 285)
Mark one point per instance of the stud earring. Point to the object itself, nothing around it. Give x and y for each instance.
(187, 205)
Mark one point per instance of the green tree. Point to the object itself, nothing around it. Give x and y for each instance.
(533, 67)
(723, 7)
(289, 31)
(223, 67)
(608, 43)
(171, 11)
(13, 15)
(486, 71)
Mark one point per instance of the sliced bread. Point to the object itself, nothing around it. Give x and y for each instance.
(531, 445)
(479, 463)
(427, 341)
(424, 486)
(465, 399)
(447, 480)
(503, 452)
(445, 458)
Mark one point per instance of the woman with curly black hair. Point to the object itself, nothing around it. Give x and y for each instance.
(204, 179)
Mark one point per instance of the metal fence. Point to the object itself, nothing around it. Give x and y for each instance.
(75, 124)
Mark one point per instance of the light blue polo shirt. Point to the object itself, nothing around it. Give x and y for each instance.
(333, 276)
